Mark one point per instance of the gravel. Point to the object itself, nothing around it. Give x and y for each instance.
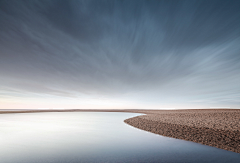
(218, 128)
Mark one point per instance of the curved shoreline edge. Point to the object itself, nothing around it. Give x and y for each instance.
(227, 139)
(213, 127)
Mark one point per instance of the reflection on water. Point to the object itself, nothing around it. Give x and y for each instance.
(93, 137)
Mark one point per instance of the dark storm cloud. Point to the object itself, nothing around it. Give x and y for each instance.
(69, 47)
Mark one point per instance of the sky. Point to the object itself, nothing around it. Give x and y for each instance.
(119, 54)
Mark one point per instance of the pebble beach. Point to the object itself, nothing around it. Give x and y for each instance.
(217, 127)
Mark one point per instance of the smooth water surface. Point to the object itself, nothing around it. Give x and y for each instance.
(73, 137)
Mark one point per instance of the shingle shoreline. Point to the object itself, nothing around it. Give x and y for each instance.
(214, 127)
(220, 129)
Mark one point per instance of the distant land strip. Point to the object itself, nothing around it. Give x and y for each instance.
(6, 111)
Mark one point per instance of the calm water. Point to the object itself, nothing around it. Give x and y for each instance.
(93, 137)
